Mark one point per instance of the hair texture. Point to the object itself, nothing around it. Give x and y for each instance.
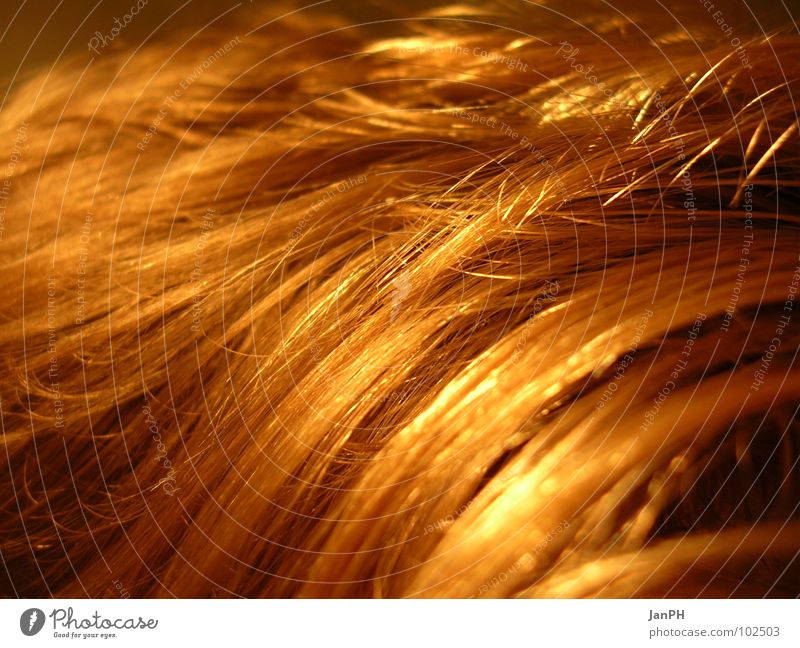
(494, 301)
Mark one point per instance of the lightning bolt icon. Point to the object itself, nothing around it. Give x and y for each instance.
(34, 615)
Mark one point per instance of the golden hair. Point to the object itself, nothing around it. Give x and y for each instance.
(491, 302)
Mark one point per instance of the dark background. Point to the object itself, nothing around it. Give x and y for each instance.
(35, 33)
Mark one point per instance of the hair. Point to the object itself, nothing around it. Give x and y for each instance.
(493, 302)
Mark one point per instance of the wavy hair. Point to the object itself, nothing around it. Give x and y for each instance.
(488, 302)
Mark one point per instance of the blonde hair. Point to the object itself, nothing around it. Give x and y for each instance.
(494, 302)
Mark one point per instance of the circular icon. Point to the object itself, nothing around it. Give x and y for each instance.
(31, 621)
